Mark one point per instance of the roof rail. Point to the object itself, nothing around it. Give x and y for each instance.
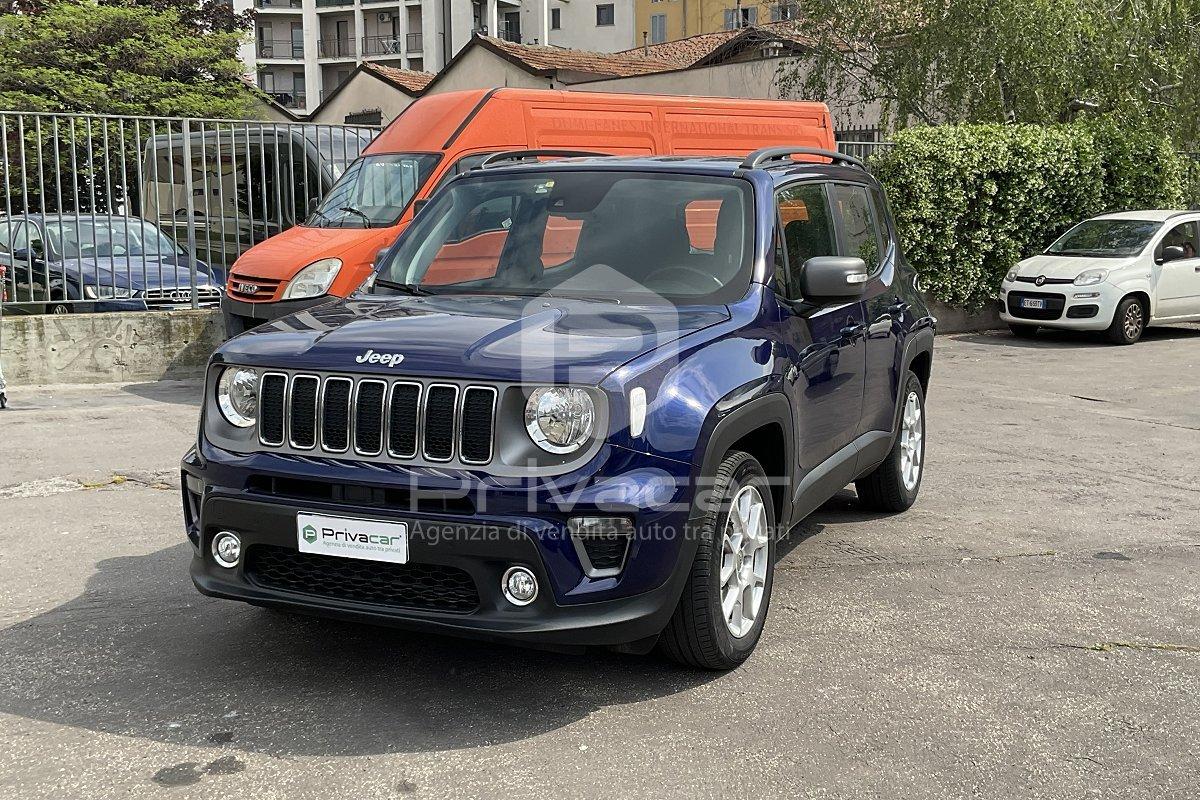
(768, 154)
(522, 155)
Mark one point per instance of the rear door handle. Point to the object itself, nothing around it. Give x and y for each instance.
(851, 333)
(898, 308)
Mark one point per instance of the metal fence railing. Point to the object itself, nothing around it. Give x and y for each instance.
(106, 212)
(863, 150)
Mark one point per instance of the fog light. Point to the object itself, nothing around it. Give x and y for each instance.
(520, 587)
(227, 549)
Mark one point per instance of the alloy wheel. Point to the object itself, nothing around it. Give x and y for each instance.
(912, 437)
(744, 554)
(1133, 322)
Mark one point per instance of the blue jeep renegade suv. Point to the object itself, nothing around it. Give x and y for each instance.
(577, 403)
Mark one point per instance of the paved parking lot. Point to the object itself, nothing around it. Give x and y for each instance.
(1030, 629)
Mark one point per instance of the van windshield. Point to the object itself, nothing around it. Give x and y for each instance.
(612, 235)
(373, 191)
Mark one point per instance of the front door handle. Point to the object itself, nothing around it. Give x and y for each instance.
(898, 308)
(851, 333)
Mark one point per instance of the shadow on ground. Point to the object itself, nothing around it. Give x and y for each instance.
(141, 654)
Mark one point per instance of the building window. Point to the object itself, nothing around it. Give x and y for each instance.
(749, 17)
(605, 15)
(555, 19)
(785, 11)
(658, 28)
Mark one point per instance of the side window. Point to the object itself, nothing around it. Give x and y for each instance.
(700, 217)
(860, 231)
(464, 164)
(20, 240)
(472, 251)
(1182, 235)
(8, 231)
(560, 240)
(806, 226)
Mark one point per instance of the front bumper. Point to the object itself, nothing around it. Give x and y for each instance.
(241, 316)
(570, 609)
(1069, 307)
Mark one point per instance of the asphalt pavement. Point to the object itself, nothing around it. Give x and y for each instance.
(1030, 629)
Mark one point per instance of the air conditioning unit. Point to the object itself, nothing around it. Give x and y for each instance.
(385, 16)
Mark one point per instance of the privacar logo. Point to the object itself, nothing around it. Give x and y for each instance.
(310, 534)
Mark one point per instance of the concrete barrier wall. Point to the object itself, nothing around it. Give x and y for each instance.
(107, 348)
(104, 348)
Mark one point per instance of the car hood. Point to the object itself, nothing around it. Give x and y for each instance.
(151, 273)
(282, 256)
(472, 336)
(1067, 266)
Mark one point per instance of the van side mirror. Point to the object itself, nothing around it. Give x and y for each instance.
(313, 204)
(383, 251)
(1172, 253)
(419, 204)
(832, 279)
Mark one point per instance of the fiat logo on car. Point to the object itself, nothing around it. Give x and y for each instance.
(1040, 280)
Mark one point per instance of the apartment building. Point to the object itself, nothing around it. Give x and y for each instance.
(658, 21)
(302, 50)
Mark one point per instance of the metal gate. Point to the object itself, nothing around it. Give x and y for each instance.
(108, 213)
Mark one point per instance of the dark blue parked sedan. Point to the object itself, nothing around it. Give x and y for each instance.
(99, 263)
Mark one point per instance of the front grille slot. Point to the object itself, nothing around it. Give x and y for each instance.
(373, 417)
(439, 422)
(402, 419)
(478, 409)
(304, 411)
(368, 417)
(423, 587)
(271, 397)
(335, 415)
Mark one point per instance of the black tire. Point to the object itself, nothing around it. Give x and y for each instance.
(697, 634)
(1023, 331)
(884, 489)
(1129, 321)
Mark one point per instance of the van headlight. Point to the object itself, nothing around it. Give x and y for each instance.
(1091, 277)
(314, 280)
(559, 418)
(237, 396)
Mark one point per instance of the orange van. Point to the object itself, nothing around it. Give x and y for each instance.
(442, 135)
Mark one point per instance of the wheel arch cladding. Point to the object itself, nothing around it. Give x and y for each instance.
(761, 427)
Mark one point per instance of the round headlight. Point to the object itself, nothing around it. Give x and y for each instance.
(237, 396)
(559, 418)
(1011, 276)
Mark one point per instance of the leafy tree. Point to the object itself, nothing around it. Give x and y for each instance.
(75, 55)
(1036, 61)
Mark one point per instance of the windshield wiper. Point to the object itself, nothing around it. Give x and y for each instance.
(351, 210)
(407, 288)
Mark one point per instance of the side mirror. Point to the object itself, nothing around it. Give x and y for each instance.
(419, 204)
(1172, 253)
(379, 255)
(28, 256)
(313, 202)
(832, 279)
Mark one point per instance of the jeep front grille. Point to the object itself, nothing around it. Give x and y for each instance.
(374, 417)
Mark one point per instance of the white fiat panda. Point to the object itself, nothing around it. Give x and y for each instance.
(1117, 273)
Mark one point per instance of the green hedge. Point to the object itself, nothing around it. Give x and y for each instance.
(972, 200)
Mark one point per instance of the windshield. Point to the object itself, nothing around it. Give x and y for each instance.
(618, 236)
(103, 238)
(374, 191)
(339, 146)
(1106, 238)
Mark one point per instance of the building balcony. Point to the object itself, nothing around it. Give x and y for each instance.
(289, 99)
(509, 34)
(414, 42)
(335, 48)
(280, 48)
(279, 5)
(333, 4)
(382, 46)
